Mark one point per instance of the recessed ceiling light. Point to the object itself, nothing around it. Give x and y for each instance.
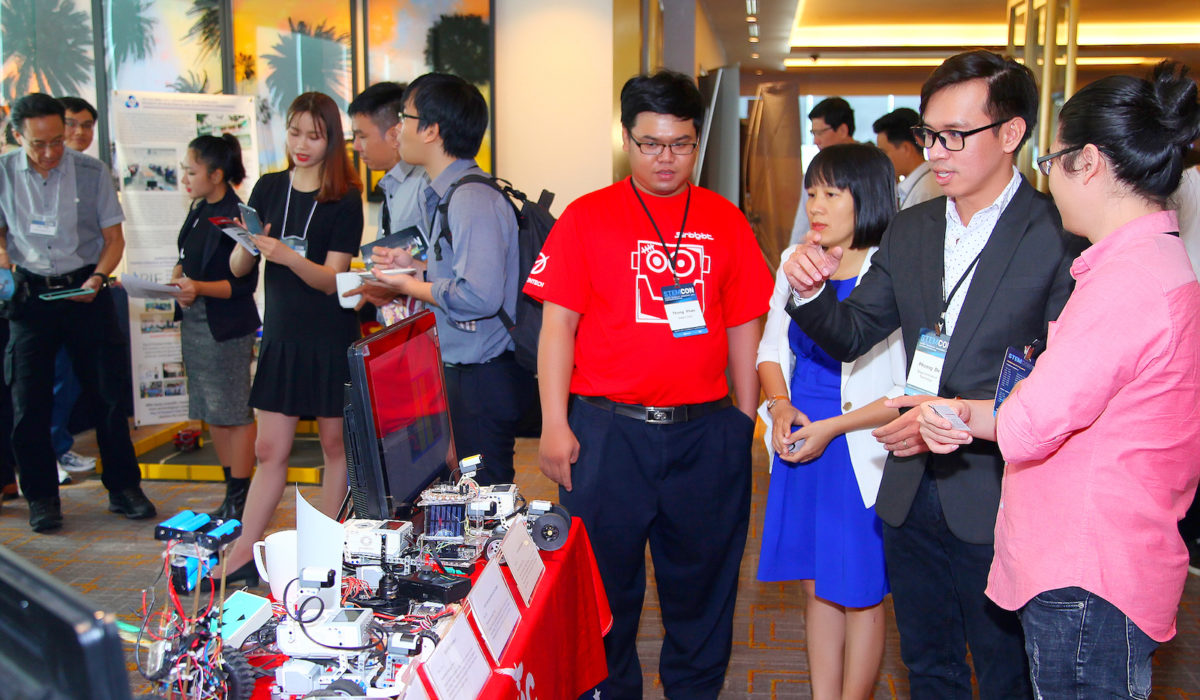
(752, 7)
(751, 18)
(753, 40)
(754, 55)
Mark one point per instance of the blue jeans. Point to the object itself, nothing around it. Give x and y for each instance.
(1081, 646)
(66, 393)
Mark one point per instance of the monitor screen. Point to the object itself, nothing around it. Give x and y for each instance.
(53, 643)
(398, 435)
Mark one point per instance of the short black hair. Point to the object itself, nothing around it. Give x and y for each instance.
(865, 172)
(1142, 126)
(665, 92)
(456, 106)
(1012, 90)
(835, 111)
(381, 102)
(33, 105)
(78, 104)
(222, 153)
(896, 126)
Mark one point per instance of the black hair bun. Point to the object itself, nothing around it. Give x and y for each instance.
(1175, 92)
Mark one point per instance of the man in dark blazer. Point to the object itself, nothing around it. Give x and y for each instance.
(989, 269)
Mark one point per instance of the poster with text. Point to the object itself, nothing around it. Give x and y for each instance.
(151, 131)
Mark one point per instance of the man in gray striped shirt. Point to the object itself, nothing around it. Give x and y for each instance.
(60, 233)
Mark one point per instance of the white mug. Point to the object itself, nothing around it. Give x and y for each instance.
(280, 567)
(345, 282)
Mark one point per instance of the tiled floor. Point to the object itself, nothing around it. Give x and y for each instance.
(111, 559)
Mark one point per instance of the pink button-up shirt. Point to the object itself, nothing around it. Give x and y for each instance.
(1102, 440)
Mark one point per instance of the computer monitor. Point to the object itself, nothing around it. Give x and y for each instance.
(53, 643)
(397, 428)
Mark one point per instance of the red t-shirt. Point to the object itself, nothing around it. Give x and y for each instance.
(604, 261)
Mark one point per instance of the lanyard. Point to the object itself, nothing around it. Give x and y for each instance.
(287, 204)
(671, 257)
(941, 325)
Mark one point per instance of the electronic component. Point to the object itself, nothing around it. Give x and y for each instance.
(370, 540)
(334, 632)
(242, 614)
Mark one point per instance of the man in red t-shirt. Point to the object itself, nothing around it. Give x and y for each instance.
(653, 289)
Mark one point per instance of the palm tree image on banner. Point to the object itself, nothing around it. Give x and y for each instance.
(406, 38)
(286, 48)
(46, 46)
(164, 45)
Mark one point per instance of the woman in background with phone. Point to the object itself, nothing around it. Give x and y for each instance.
(313, 218)
(219, 317)
(820, 526)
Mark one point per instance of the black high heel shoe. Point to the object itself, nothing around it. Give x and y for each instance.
(247, 573)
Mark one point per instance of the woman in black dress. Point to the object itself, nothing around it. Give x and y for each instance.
(313, 221)
(218, 313)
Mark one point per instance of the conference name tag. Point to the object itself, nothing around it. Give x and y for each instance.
(43, 226)
(683, 310)
(925, 374)
(297, 244)
(1017, 365)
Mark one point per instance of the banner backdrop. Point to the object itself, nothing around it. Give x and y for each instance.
(151, 132)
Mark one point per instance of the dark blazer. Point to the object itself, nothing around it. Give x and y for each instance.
(1020, 285)
(227, 318)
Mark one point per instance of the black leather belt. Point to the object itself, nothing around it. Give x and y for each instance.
(70, 280)
(659, 415)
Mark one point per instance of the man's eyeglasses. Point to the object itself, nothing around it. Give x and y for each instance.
(1045, 162)
(653, 149)
(404, 116)
(952, 139)
(818, 132)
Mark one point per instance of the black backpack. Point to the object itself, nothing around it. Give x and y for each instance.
(534, 222)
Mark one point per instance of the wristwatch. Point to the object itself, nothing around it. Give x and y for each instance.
(103, 278)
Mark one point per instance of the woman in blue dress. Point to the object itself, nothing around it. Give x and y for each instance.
(820, 526)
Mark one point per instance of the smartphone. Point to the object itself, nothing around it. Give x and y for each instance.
(65, 293)
(250, 218)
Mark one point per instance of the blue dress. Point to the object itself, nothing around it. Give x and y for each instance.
(815, 525)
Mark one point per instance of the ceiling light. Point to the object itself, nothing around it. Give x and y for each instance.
(752, 7)
(754, 55)
(909, 35)
(753, 40)
(753, 29)
(751, 18)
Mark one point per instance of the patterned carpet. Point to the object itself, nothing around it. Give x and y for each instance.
(110, 559)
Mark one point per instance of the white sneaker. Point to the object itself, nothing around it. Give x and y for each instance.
(74, 462)
(63, 477)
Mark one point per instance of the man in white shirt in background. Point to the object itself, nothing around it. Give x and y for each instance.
(894, 136)
(832, 122)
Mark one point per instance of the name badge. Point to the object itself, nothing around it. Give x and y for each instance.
(43, 226)
(1016, 366)
(683, 310)
(925, 374)
(297, 244)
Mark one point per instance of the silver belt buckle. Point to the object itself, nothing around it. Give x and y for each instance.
(660, 416)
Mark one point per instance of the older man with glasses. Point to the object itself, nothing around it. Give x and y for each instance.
(964, 278)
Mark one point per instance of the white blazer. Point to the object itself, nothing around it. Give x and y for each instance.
(881, 371)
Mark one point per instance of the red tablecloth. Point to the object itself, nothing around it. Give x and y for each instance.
(557, 649)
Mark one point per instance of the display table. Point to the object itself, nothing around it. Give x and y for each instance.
(557, 648)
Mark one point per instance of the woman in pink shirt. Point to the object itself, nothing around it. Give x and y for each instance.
(1100, 440)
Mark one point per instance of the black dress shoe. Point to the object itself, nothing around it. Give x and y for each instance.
(45, 514)
(247, 572)
(131, 503)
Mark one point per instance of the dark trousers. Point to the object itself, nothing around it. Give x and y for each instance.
(487, 402)
(937, 588)
(91, 336)
(685, 490)
(8, 463)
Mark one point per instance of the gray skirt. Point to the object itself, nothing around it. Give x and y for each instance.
(218, 372)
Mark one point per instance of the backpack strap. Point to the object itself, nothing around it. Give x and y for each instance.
(443, 206)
